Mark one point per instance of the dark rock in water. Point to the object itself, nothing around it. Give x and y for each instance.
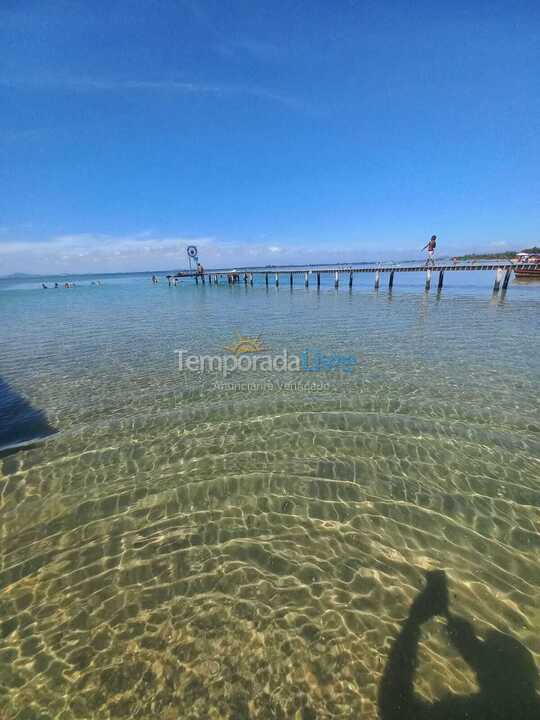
(20, 422)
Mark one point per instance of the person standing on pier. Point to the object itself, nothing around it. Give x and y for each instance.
(430, 246)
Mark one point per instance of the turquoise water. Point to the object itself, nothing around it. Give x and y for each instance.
(189, 546)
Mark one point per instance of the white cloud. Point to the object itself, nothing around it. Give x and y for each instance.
(179, 87)
(88, 252)
(98, 252)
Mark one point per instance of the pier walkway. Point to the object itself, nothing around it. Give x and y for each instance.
(502, 269)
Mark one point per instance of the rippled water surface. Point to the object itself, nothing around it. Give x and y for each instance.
(184, 549)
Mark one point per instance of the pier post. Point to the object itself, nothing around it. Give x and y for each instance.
(428, 279)
(336, 279)
(306, 280)
(498, 278)
(251, 278)
(245, 278)
(277, 279)
(196, 280)
(266, 279)
(318, 279)
(391, 280)
(350, 278)
(506, 280)
(291, 279)
(377, 279)
(441, 280)
(202, 278)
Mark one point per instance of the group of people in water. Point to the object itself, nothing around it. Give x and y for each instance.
(67, 285)
(56, 285)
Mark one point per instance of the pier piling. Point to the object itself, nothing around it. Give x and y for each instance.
(428, 279)
(277, 279)
(291, 279)
(498, 278)
(350, 278)
(506, 280)
(266, 279)
(306, 279)
(377, 279)
(318, 279)
(441, 280)
(391, 280)
(336, 279)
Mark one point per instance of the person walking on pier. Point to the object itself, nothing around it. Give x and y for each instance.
(430, 246)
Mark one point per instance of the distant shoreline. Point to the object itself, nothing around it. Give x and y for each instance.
(506, 255)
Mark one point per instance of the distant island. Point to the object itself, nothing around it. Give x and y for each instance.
(507, 255)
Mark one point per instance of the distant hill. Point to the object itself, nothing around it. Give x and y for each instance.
(13, 276)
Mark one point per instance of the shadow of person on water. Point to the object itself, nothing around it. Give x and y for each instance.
(505, 670)
(21, 424)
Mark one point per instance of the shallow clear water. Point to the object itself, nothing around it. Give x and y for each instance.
(185, 548)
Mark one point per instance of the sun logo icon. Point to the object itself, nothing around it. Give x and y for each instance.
(246, 344)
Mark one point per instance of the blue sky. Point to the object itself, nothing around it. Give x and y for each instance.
(264, 131)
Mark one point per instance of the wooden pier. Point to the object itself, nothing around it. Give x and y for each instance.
(502, 270)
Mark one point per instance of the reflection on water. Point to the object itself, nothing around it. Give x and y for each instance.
(180, 551)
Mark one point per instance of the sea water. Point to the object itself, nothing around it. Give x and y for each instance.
(190, 544)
